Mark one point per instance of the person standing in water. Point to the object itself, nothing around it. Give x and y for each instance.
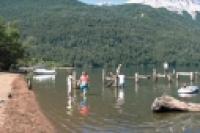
(84, 80)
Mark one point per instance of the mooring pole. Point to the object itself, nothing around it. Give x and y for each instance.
(154, 75)
(177, 76)
(29, 80)
(136, 77)
(69, 84)
(103, 76)
(74, 79)
(103, 79)
(169, 77)
(192, 76)
(117, 81)
(196, 76)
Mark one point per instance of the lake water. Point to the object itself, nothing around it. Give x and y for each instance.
(112, 110)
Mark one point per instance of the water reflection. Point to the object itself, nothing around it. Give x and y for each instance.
(84, 107)
(43, 77)
(70, 96)
(136, 88)
(124, 109)
(69, 109)
(70, 105)
(120, 99)
(186, 95)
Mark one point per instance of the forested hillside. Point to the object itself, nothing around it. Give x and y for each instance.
(71, 33)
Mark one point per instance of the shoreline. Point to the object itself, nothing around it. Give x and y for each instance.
(19, 109)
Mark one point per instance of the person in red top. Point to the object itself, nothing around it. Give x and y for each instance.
(84, 80)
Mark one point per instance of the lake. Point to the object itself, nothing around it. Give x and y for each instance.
(114, 110)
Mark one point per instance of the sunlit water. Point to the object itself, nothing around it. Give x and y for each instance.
(111, 110)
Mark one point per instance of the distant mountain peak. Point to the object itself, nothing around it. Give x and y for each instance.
(172, 5)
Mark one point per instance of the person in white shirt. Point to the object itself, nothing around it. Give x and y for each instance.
(121, 80)
(69, 84)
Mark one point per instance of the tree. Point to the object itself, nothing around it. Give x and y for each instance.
(11, 48)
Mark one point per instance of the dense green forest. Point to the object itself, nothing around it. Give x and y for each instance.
(67, 32)
(11, 49)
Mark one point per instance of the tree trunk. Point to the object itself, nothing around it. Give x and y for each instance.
(167, 103)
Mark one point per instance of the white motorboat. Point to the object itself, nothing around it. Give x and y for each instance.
(188, 90)
(42, 71)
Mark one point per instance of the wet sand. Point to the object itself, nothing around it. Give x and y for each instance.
(19, 110)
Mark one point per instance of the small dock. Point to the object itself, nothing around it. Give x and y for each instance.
(191, 75)
(155, 76)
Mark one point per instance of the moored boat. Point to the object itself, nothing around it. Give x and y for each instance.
(188, 90)
(42, 71)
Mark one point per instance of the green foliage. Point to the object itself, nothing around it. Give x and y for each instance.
(10, 47)
(70, 33)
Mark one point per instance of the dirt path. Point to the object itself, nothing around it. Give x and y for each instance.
(20, 113)
(5, 89)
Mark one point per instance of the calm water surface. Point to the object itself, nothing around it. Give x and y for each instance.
(111, 110)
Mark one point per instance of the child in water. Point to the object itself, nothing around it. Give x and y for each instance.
(84, 80)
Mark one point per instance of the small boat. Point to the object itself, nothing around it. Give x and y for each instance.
(188, 90)
(42, 71)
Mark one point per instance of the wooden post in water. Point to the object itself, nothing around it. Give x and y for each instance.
(74, 85)
(191, 76)
(103, 76)
(117, 74)
(166, 67)
(169, 77)
(136, 77)
(118, 69)
(196, 76)
(177, 76)
(69, 84)
(30, 79)
(117, 81)
(154, 75)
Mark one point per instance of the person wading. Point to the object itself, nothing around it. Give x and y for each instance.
(84, 80)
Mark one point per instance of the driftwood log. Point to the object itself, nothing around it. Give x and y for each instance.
(167, 103)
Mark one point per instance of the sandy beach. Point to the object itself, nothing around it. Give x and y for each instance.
(19, 110)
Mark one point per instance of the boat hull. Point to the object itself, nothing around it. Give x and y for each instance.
(188, 90)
